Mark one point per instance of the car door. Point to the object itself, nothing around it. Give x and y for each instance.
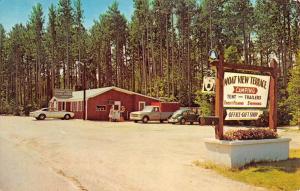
(57, 114)
(192, 116)
(185, 115)
(52, 114)
(155, 114)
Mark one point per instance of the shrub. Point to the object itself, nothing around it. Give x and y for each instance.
(250, 134)
(204, 100)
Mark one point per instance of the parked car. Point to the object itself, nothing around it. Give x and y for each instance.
(156, 112)
(45, 113)
(184, 115)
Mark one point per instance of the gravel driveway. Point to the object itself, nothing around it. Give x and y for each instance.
(102, 156)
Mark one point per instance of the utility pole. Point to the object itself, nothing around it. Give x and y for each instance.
(84, 88)
(84, 92)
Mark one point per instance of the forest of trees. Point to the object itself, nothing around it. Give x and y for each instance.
(162, 50)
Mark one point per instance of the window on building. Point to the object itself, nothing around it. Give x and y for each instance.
(63, 106)
(116, 107)
(101, 108)
(142, 105)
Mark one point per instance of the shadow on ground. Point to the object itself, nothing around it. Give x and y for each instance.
(291, 165)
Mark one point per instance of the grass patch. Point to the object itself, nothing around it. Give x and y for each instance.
(292, 130)
(282, 175)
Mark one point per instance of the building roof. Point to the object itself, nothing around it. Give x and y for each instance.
(78, 95)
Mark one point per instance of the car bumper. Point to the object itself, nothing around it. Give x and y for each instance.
(32, 115)
(134, 118)
(173, 120)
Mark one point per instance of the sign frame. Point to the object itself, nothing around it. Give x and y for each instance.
(222, 67)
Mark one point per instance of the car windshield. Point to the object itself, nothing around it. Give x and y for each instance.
(148, 109)
(179, 112)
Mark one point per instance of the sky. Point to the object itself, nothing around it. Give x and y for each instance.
(18, 11)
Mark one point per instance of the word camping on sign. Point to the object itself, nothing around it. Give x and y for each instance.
(245, 90)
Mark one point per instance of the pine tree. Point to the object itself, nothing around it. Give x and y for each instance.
(294, 91)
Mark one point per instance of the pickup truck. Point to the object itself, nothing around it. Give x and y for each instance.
(157, 111)
(45, 113)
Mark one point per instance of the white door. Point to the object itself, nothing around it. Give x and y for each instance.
(117, 109)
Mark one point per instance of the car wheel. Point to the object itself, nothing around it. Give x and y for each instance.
(42, 116)
(67, 117)
(182, 121)
(37, 118)
(135, 121)
(161, 121)
(145, 119)
(191, 123)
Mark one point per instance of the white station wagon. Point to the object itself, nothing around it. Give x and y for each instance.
(45, 113)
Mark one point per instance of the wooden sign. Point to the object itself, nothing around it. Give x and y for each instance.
(243, 114)
(245, 90)
(63, 93)
(252, 87)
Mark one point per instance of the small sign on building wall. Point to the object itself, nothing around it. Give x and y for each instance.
(243, 114)
(63, 93)
(245, 90)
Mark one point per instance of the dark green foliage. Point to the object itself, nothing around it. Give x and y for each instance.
(204, 100)
(162, 51)
(293, 100)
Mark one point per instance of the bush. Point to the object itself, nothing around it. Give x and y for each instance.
(204, 100)
(250, 134)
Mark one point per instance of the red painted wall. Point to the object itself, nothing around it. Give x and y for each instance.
(78, 114)
(130, 102)
(167, 106)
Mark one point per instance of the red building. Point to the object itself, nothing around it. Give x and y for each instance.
(99, 102)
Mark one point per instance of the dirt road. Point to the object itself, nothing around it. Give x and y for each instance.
(88, 155)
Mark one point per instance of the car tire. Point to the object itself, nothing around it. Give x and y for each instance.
(67, 117)
(42, 117)
(135, 121)
(145, 119)
(37, 118)
(191, 123)
(182, 121)
(161, 121)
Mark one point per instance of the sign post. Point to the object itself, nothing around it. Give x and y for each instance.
(244, 91)
(219, 109)
(273, 97)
